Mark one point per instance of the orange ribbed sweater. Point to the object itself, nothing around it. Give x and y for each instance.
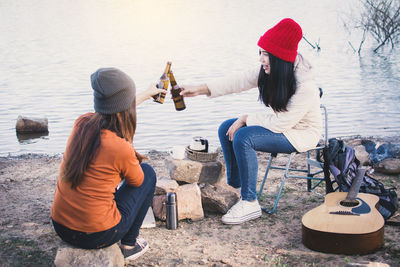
(91, 207)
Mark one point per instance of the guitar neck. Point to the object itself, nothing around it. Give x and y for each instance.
(355, 186)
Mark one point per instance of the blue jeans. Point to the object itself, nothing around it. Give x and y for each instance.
(241, 157)
(132, 203)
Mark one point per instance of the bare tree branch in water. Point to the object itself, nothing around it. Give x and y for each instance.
(361, 43)
(316, 46)
(381, 20)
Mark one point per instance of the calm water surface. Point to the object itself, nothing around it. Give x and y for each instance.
(48, 49)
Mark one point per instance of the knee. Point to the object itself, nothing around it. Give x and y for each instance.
(223, 128)
(149, 174)
(241, 139)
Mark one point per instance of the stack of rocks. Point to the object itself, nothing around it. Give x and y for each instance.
(198, 188)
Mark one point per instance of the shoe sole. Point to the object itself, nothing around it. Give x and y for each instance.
(137, 255)
(248, 217)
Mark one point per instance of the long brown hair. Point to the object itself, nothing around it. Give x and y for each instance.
(86, 139)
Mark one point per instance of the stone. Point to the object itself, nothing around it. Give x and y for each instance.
(31, 125)
(184, 170)
(189, 202)
(356, 141)
(367, 264)
(159, 208)
(362, 155)
(388, 166)
(165, 185)
(379, 152)
(68, 256)
(212, 172)
(216, 198)
(191, 171)
(149, 220)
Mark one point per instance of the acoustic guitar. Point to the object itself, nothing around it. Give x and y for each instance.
(347, 223)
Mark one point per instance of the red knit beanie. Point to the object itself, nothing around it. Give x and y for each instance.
(282, 40)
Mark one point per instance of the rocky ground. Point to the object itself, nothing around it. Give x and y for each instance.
(27, 184)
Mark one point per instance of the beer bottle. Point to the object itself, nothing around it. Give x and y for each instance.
(175, 90)
(163, 83)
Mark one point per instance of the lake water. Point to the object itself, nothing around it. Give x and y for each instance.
(48, 50)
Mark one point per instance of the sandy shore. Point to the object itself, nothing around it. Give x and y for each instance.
(27, 184)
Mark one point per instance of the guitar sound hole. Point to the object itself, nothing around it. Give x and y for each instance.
(349, 203)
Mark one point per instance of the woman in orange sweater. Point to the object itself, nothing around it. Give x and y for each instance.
(88, 210)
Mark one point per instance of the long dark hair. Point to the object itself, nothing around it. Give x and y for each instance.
(86, 139)
(278, 87)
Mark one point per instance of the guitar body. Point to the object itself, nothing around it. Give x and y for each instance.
(335, 228)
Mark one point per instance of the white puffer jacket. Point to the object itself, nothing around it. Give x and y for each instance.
(301, 123)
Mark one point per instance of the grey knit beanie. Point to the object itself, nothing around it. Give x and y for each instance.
(113, 90)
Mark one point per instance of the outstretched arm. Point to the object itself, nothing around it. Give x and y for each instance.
(195, 90)
(148, 93)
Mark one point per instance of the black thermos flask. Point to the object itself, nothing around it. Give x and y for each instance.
(172, 211)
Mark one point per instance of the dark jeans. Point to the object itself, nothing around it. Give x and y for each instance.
(132, 203)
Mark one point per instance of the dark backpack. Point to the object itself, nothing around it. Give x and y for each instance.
(343, 165)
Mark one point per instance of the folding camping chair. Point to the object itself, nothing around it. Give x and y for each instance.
(310, 176)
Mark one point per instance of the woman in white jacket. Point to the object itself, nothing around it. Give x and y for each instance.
(291, 123)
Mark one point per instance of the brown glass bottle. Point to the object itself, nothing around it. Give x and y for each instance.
(175, 92)
(163, 83)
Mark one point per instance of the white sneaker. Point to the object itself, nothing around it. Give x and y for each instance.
(241, 212)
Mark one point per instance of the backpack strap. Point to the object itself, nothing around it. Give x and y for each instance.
(329, 153)
(334, 146)
(327, 178)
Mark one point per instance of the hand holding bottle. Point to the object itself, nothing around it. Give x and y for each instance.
(176, 93)
(163, 84)
(148, 93)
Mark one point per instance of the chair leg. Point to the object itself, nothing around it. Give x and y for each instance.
(271, 211)
(309, 184)
(310, 175)
(265, 177)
